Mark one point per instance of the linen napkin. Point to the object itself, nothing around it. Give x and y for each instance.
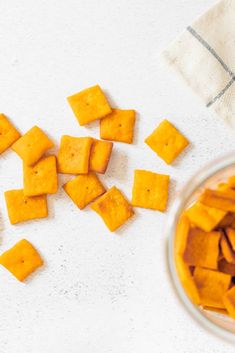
(204, 56)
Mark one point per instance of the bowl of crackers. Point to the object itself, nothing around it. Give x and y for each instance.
(201, 249)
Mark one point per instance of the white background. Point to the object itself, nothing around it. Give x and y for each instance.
(99, 292)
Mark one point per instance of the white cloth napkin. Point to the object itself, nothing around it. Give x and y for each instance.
(204, 56)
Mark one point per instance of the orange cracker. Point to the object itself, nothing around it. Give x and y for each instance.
(204, 217)
(223, 186)
(21, 260)
(227, 220)
(167, 141)
(202, 248)
(226, 250)
(229, 301)
(226, 267)
(41, 178)
(230, 232)
(216, 310)
(231, 181)
(84, 189)
(183, 269)
(186, 279)
(113, 208)
(118, 126)
(150, 190)
(221, 199)
(100, 155)
(212, 285)
(32, 145)
(8, 133)
(74, 154)
(181, 236)
(23, 208)
(89, 105)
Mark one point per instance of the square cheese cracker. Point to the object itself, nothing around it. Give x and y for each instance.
(150, 190)
(167, 141)
(84, 189)
(89, 105)
(74, 155)
(118, 126)
(32, 145)
(113, 208)
(41, 178)
(21, 260)
(8, 133)
(23, 208)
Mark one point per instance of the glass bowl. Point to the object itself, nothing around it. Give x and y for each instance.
(208, 177)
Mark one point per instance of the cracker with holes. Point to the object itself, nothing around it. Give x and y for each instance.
(113, 208)
(74, 154)
(100, 155)
(118, 126)
(89, 105)
(202, 248)
(212, 286)
(41, 178)
(166, 141)
(150, 190)
(84, 189)
(21, 260)
(8, 133)
(32, 145)
(23, 208)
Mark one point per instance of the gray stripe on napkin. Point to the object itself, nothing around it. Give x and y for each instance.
(211, 50)
(221, 92)
(218, 58)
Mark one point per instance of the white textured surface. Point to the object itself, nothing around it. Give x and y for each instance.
(99, 292)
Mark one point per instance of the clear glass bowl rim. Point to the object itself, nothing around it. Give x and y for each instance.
(180, 202)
